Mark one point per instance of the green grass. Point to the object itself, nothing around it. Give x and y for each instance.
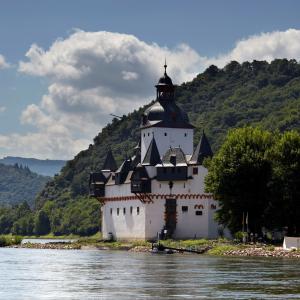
(96, 236)
(196, 243)
(9, 240)
(221, 249)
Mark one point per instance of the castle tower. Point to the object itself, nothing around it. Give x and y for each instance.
(166, 122)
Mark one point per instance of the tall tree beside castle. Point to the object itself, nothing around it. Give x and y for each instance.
(256, 173)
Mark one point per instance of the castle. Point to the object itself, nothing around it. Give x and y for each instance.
(160, 190)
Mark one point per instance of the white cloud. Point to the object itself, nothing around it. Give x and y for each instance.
(3, 63)
(93, 74)
(265, 46)
(41, 144)
(2, 109)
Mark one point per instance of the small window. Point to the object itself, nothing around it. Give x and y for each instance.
(138, 210)
(124, 210)
(111, 211)
(184, 208)
(148, 133)
(131, 210)
(144, 134)
(184, 185)
(165, 134)
(185, 134)
(199, 213)
(113, 177)
(118, 211)
(195, 171)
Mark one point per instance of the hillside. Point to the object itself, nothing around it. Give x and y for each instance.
(257, 93)
(19, 184)
(46, 167)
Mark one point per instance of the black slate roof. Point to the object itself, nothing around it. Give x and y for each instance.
(165, 114)
(140, 173)
(97, 177)
(152, 156)
(109, 163)
(174, 157)
(122, 172)
(202, 151)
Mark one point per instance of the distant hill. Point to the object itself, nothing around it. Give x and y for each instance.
(19, 184)
(252, 93)
(46, 167)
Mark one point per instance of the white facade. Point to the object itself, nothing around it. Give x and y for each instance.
(130, 219)
(166, 138)
(291, 243)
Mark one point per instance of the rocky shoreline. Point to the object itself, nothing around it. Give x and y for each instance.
(261, 252)
(53, 245)
(251, 251)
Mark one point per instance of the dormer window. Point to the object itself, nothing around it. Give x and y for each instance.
(165, 134)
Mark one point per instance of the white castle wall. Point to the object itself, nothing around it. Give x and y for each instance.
(154, 218)
(175, 137)
(191, 225)
(124, 226)
(151, 217)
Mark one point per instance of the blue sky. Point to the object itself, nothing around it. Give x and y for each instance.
(55, 99)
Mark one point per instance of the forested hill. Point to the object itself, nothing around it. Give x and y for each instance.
(46, 167)
(19, 184)
(258, 93)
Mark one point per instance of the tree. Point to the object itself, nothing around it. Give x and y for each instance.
(285, 157)
(6, 222)
(42, 223)
(238, 177)
(23, 226)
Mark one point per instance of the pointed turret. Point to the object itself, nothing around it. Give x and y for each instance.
(202, 151)
(136, 159)
(109, 163)
(122, 172)
(152, 156)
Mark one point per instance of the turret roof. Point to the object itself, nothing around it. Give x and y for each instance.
(152, 156)
(202, 151)
(109, 163)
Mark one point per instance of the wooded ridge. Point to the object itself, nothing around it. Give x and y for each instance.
(258, 93)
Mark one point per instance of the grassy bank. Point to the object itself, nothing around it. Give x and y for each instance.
(218, 247)
(10, 240)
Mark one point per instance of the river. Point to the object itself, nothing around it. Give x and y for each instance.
(92, 274)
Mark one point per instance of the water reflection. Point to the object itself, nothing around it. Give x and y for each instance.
(73, 274)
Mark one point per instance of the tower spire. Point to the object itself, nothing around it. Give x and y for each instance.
(165, 66)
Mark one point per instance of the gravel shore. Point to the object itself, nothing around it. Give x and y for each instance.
(261, 252)
(249, 251)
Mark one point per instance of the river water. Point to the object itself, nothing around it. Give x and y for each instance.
(93, 274)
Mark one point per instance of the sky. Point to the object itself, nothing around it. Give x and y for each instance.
(65, 66)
